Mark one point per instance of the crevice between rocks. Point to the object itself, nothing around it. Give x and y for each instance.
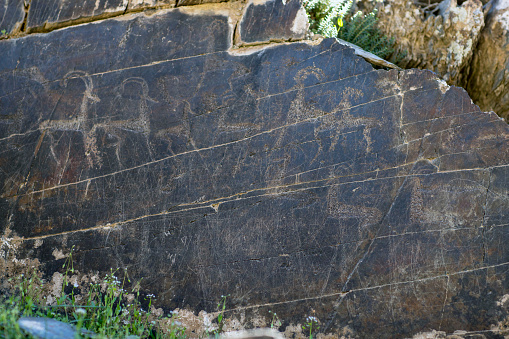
(26, 4)
(49, 27)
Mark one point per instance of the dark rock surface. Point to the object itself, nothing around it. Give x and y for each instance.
(273, 20)
(295, 178)
(45, 14)
(12, 13)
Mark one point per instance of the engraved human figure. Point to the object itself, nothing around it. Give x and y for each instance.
(131, 105)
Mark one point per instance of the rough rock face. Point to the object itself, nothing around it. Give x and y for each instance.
(273, 20)
(12, 13)
(44, 14)
(488, 83)
(442, 41)
(294, 177)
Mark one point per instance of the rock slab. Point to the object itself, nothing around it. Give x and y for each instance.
(273, 20)
(295, 178)
(46, 14)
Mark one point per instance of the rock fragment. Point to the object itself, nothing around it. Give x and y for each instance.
(488, 82)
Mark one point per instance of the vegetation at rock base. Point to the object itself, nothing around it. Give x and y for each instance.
(108, 310)
(331, 18)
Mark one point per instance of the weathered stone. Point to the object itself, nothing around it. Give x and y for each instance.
(49, 14)
(488, 81)
(442, 40)
(295, 178)
(12, 13)
(273, 20)
(138, 4)
(45, 328)
(266, 333)
(197, 2)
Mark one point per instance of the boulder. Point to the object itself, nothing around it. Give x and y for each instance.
(294, 177)
(439, 36)
(488, 81)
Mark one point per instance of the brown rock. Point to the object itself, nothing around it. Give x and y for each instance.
(488, 82)
(139, 4)
(197, 2)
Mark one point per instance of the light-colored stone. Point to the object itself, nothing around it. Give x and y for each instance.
(442, 41)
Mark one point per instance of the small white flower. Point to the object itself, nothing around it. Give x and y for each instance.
(75, 284)
(312, 319)
(150, 296)
(81, 311)
(153, 322)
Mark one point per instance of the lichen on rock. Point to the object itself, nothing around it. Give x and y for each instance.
(442, 41)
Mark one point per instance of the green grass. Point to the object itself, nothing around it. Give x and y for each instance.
(104, 309)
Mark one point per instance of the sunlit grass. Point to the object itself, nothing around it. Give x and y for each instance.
(105, 309)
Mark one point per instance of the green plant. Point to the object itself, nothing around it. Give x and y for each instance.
(3, 31)
(311, 325)
(221, 306)
(9, 314)
(330, 18)
(325, 16)
(362, 31)
(275, 322)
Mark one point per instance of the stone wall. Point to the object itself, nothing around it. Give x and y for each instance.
(202, 150)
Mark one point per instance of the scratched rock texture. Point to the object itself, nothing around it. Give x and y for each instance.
(44, 14)
(12, 13)
(273, 20)
(296, 178)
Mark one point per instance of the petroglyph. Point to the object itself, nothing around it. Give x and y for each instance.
(292, 177)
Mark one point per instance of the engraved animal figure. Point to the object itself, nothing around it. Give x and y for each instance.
(67, 116)
(129, 114)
